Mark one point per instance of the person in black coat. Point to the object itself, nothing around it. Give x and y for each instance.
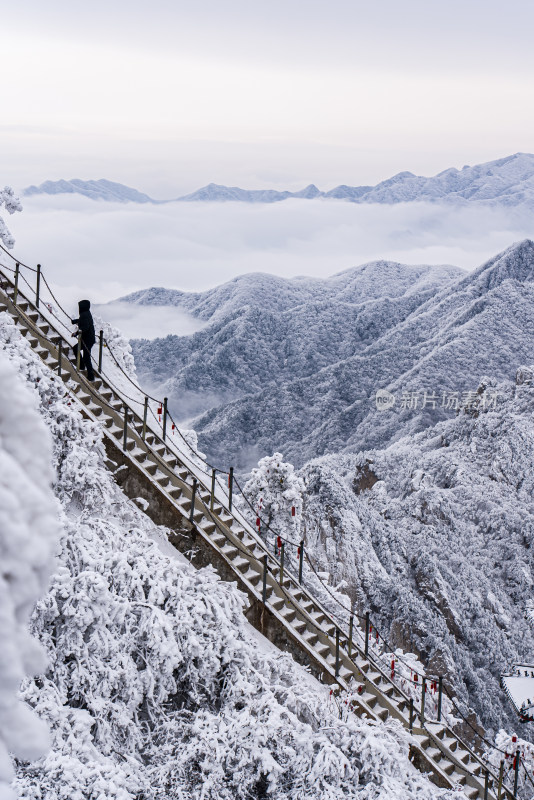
(86, 327)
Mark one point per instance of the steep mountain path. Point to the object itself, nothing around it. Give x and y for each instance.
(207, 530)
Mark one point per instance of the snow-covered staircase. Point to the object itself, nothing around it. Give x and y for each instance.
(290, 615)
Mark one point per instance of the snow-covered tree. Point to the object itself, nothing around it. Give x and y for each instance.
(29, 528)
(276, 492)
(11, 204)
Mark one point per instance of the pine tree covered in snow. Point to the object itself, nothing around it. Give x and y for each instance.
(156, 685)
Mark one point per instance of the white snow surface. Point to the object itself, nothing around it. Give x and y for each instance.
(154, 687)
(29, 531)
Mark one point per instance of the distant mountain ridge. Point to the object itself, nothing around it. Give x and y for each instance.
(505, 182)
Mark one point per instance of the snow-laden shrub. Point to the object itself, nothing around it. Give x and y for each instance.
(29, 530)
(276, 493)
(11, 204)
(118, 344)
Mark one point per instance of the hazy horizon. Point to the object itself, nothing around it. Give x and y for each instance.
(171, 97)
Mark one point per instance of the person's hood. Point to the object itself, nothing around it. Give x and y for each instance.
(84, 305)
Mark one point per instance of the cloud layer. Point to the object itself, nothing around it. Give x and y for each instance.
(105, 250)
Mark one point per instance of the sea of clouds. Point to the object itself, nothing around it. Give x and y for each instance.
(105, 250)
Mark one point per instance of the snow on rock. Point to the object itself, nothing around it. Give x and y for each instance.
(29, 530)
(154, 686)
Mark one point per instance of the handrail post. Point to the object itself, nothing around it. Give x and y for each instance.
(164, 417)
(337, 652)
(411, 715)
(59, 356)
(367, 625)
(230, 487)
(264, 587)
(423, 697)
(499, 789)
(301, 559)
(486, 785)
(440, 696)
(100, 349)
(193, 498)
(16, 292)
(145, 415)
(38, 286)
(516, 772)
(125, 431)
(282, 552)
(212, 498)
(351, 628)
(79, 351)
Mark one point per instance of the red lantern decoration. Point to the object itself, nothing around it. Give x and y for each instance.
(279, 541)
(292, 511)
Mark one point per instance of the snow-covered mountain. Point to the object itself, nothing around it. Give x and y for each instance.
(156, 686)
(215, 192)
(505, 182)
(96, 190)
(435, 534)
(295, 366)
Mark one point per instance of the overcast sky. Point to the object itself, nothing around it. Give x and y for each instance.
(167, 96)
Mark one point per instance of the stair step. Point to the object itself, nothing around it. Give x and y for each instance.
(253, 576)
(310, 637)
(288, 613)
